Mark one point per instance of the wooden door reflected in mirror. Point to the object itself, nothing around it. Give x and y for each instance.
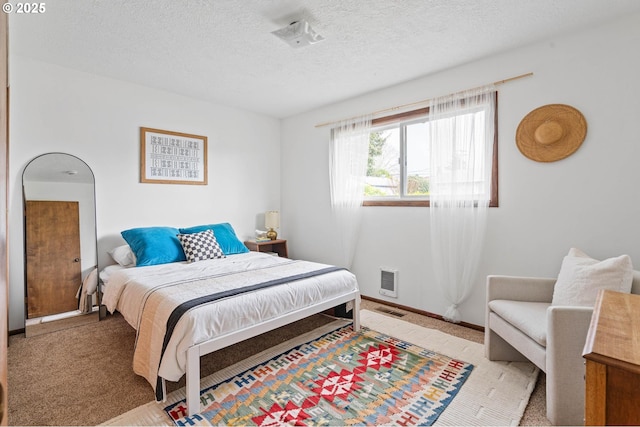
(60, 243)
(53, 257)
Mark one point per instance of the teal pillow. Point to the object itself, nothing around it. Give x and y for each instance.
(225, 235)
(154, 245)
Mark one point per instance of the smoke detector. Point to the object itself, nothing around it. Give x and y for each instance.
(298, 34)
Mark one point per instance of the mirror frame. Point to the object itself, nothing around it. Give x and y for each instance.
(83, 237)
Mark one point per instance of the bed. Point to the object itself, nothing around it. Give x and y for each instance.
(183, 309)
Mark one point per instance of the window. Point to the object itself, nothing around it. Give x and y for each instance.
(398, 167)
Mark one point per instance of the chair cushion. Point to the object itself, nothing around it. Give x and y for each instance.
(528, 317)
(581, 277)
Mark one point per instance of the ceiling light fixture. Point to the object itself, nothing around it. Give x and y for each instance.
(298, 34)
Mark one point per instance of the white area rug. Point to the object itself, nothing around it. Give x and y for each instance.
(496, 393)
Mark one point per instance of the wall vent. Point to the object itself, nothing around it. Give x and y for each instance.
(389, 282)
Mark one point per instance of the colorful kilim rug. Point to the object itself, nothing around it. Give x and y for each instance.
(341, 378)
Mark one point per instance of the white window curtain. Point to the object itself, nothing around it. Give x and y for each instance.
(461, 152)
(348, 155)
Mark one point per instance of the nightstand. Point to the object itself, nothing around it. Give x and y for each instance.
(278, 246)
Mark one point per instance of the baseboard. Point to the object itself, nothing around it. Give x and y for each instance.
(421, 312)
(39, 328)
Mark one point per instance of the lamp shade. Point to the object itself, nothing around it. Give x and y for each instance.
(272, 219)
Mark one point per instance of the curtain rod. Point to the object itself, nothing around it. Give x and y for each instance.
(424, 101)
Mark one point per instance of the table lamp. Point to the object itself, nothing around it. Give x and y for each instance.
(272, 221)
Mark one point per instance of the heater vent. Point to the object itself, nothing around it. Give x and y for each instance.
(389, 282)
(389, 311)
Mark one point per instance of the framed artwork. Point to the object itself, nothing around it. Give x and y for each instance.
(172, 157)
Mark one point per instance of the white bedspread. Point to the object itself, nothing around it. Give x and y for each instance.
(129, 290)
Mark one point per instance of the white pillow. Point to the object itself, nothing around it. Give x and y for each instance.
(123, 255)
(581, 277)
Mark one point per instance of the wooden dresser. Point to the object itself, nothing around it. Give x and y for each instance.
(612, 353)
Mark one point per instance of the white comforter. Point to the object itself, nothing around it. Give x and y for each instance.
(128, 291)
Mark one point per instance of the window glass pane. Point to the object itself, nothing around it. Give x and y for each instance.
(383, 169)
(399, 169)
(467, 165)
(417, 153)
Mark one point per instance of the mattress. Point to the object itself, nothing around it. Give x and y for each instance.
(132, 291)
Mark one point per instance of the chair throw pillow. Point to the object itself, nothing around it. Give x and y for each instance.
(581, 277)
(200, 246)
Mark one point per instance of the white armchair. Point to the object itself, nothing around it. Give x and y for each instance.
(521, 324)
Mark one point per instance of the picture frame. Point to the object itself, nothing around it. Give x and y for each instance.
(168, 157)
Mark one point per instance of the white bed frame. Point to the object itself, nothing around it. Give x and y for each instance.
(194, 352)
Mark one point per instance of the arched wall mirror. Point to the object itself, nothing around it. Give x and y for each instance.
(60, 243)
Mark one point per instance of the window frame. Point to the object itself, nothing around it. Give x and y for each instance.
(411, 116)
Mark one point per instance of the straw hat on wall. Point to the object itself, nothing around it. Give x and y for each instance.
(551, 132)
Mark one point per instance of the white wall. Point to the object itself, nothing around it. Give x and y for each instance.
(590, 200)
(98, 120)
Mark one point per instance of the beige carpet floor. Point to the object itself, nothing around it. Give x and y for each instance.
(535, 413)
(83, 376)
(496, 393)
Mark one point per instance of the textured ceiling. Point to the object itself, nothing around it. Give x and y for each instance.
(223, 50)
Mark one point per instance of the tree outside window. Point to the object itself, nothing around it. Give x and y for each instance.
(398, 167)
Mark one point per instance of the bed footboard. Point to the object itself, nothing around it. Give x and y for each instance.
(195, 352)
